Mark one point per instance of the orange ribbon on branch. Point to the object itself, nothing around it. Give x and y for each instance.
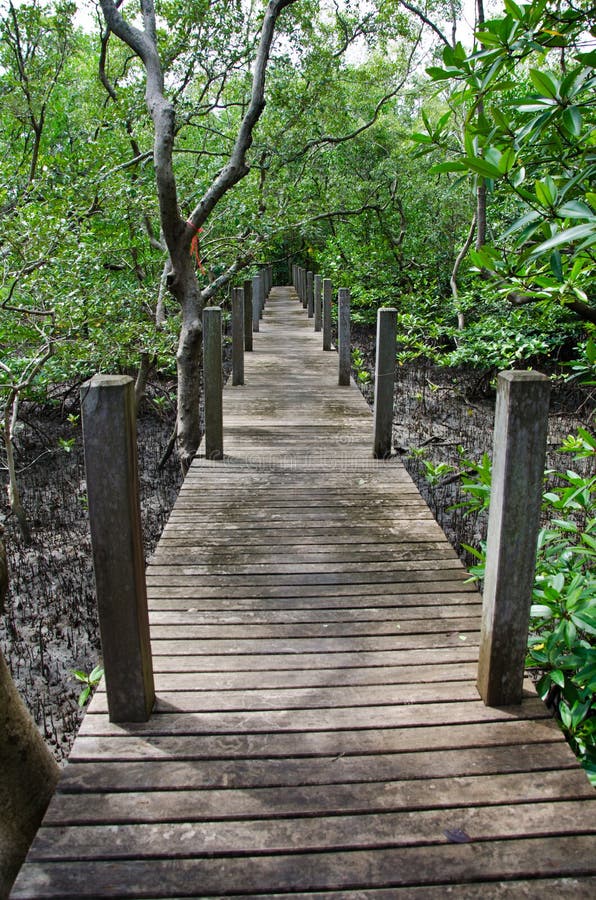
(194, 247)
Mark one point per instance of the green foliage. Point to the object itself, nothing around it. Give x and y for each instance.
(526, 95)
(90, 680)
(363, 376)
(561, 647)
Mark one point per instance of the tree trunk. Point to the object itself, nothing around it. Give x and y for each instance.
(188, 363)
(14, 497)
(28, 776)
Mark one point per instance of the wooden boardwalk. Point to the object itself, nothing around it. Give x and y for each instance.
(317, 730)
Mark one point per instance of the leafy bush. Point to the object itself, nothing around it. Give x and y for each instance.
(561, 646)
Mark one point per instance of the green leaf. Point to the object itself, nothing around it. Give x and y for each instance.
(439, 74)
(507, 161)
(422, 138)
(572, 121)
(556, 265)
(557, 677)
(481, 167)
(447, 167)
(545, 84)
(546, 191)
(514, 10)
(575, 209)
(568, 236)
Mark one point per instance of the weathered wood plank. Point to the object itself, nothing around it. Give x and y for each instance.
(326, 833)
(405, 716)
(123, 747)
(482, 861)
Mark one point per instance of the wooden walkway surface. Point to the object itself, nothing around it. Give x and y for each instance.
(317, 730)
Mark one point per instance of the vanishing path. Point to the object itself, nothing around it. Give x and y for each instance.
(317, 727)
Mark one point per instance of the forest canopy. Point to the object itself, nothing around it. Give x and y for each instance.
(446, 174)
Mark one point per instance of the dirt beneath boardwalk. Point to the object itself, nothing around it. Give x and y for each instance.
(50, 627)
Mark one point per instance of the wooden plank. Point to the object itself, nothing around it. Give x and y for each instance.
(325, 833)
(482, 861)
(326, 665)
(155, 775)
(310, 800)
(405, 716)
(243, 745)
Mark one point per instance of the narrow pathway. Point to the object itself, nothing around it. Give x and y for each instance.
(317, 729)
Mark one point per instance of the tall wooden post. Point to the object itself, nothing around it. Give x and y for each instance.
(310, 297)
(343, 326)
(247, 287)
(213, 382)
(238, 336)
(303, 292)
(521, 420)
(109, 428)
(327, 295)
(317, 301)
(256, 312)
(384, 382)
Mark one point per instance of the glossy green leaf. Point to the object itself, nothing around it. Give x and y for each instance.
(545, 84)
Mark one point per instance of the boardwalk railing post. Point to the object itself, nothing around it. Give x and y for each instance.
(109, 427)
(317, 299)
(310, 296)
(521, 420)
(327, 295)
(343, 327)
(247, 287)
(256, 312)
(384, 381)
(238, 336)
(213, 382)
(260, 293)
(303, 291)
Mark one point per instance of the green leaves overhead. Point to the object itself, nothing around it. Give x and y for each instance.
(528, 133)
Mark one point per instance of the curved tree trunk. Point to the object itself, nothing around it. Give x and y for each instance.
(28, 776)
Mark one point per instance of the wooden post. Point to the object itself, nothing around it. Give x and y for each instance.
(310, 297)
(317, 299)
(260, 293)
(109, 427)
(255, 303)
(327, 294)
(247, 287)
(303, 293)
(384, 382)
(521, 421)
(213, 382)
(343, 328)
(237, 336)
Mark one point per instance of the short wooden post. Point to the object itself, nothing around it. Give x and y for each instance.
(213, 382)
(256, 312)
(237, 336)
(109, 427)
(310, 295)
(343, 327)
(384, 382)
(521, 421)
(317, 301)
(303, 293)
(247, 287)
(327, 295)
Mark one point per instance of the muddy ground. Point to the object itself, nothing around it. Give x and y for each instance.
(50, 627)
